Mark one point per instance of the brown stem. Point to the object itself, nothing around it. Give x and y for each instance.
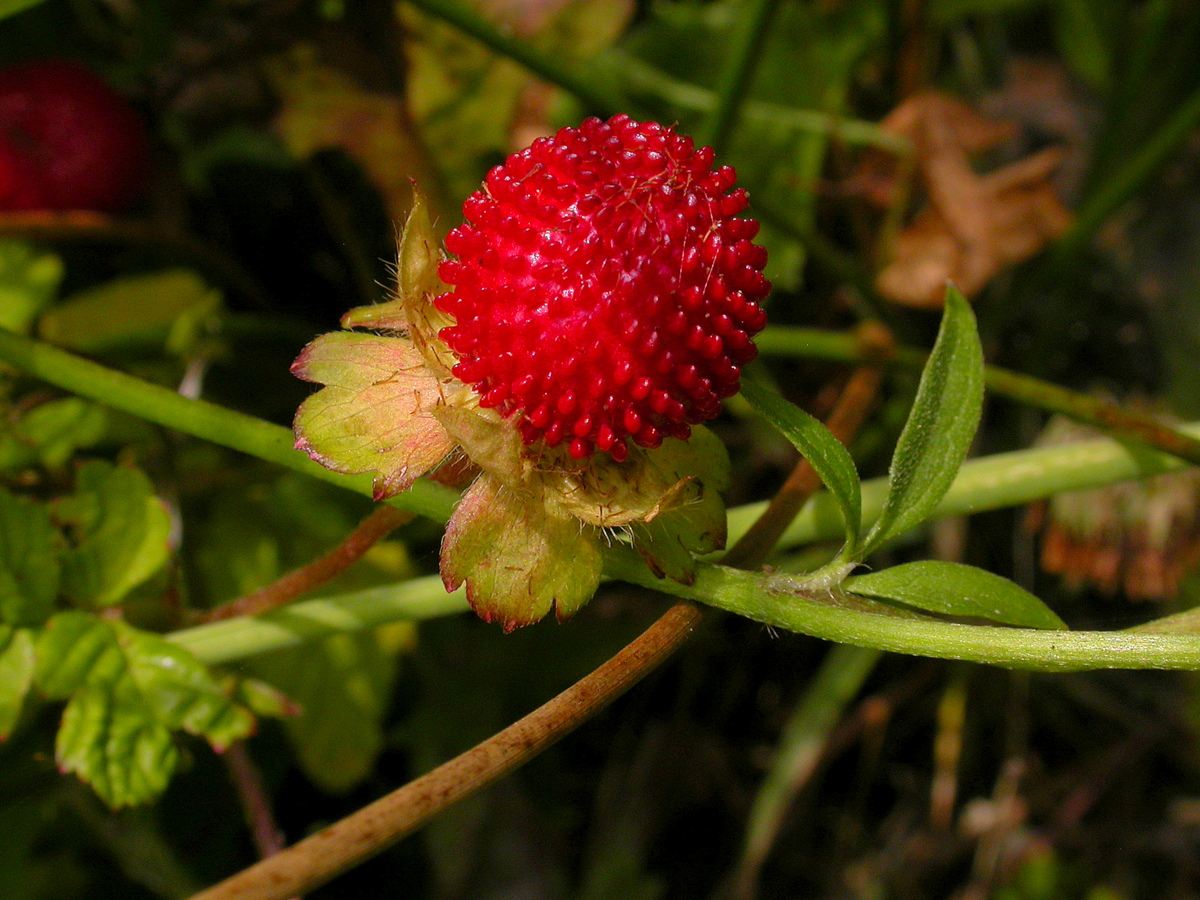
(368, 832)
(374, 828)
(299, 581)
(247, 781)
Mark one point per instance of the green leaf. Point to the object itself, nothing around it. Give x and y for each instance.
(128, 690)
(1081, 38)
(55, 430)
(29, 561)
(825, 453)
(957, 590)
(16, 674)
(29, 278)
(51, 433)
(152, 311)
(119, 534)
(342, 685)
(10, 7)
(517, 561)
(939, 429)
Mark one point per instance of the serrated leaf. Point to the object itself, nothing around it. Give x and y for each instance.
(939, 429)
(112, 742)
(517, 561)
(373, 415)
(342, 685)
(954, 589)
(119, 531)
(824, 452)
(138, 311)
(128, 690)
(29, 561)
(16, 674)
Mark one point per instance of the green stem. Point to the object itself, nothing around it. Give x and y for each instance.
(771, 600)
(735, 80)
(1005, 479)
(1094, 411)
(685, 95)
(991, 482)
(232, 639)
(1127, 180)
(994, 482)
(199, 418)
(590, 91)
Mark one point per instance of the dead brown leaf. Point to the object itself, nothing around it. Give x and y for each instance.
(971, 226)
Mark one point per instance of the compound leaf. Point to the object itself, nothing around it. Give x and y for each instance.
(127, 691)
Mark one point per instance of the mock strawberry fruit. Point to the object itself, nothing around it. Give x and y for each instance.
(603, 301)
(605, 290)
(67, 140)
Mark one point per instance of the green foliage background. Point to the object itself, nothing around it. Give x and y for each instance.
(285, 135)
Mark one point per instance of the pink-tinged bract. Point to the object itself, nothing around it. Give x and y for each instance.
(605, 289)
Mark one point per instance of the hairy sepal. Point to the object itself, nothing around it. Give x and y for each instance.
(490, 441)
(517, 561)
(374, 413)
(670, 542)
(412, 311)
(609, 494)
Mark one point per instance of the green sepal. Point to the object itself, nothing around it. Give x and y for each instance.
(492, 443)
(118, 531)
(609, 494)
(670, 542)
(417, 284)
(127, 690)
(518, 562)
(374, 413)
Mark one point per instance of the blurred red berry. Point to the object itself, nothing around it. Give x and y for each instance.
(605, 289)
(67, 140)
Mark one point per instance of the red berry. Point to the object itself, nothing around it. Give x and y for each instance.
(67, 140)
(604, 289)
